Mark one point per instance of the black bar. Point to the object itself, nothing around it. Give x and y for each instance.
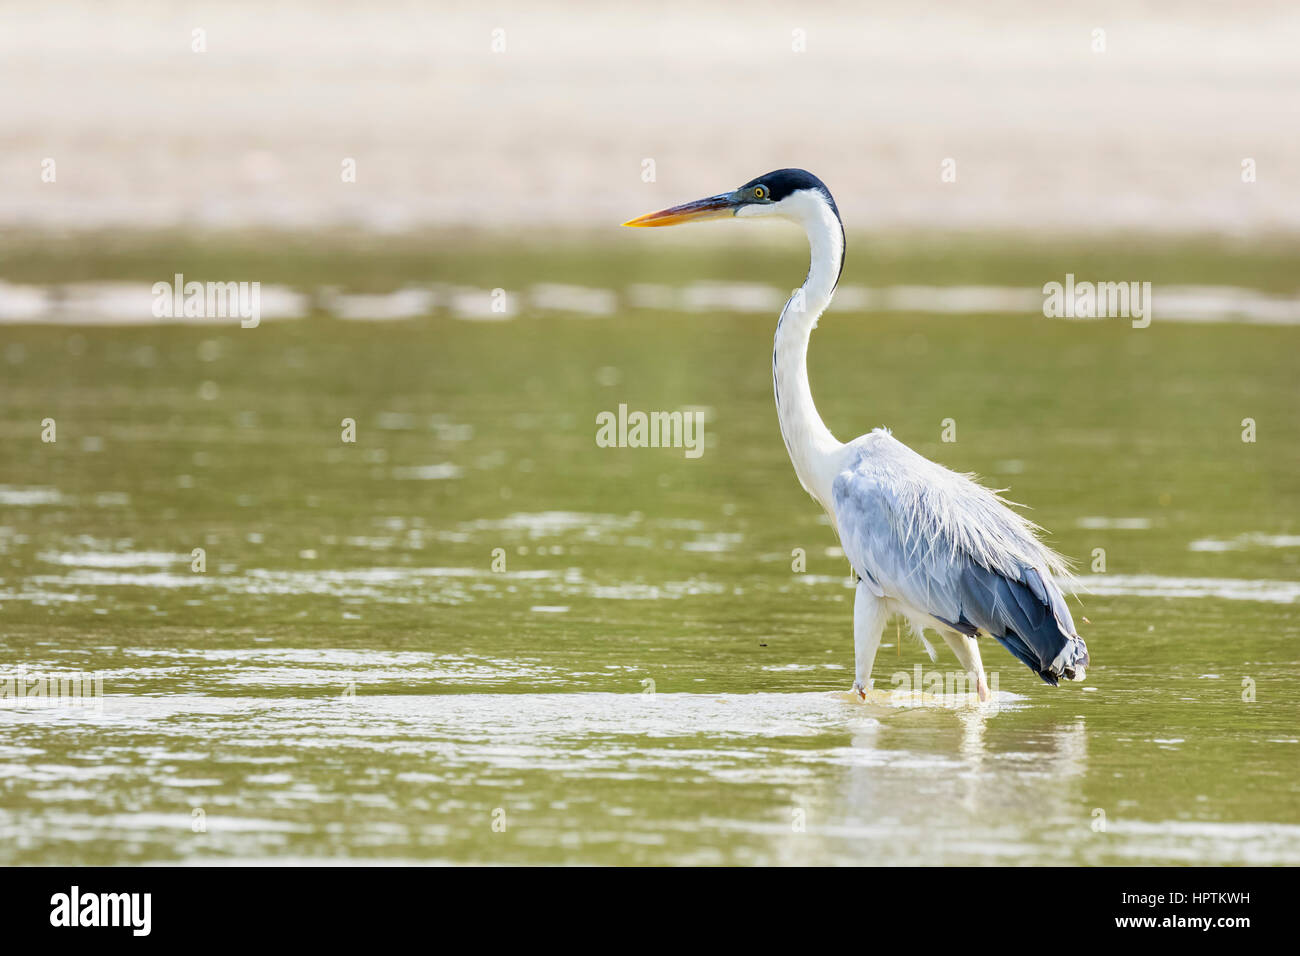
(333, 904)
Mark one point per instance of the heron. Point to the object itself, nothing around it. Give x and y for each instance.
(929, 544)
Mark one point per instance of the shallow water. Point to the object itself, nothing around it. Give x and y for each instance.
(474, 635)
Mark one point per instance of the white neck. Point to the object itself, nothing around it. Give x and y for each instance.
(813, 449)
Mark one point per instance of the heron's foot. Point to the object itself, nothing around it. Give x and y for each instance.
(858, 691)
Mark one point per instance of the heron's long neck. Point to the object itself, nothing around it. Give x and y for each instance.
(811, 445)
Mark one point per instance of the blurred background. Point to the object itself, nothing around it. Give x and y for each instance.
(538, 116)
(322, 641)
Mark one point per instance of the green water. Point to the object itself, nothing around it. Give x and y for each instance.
(350, 677)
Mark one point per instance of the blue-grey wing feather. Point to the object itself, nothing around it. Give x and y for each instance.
(942, 545)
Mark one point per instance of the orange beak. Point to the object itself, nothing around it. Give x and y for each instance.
(714, 207)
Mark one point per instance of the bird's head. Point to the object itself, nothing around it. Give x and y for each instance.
(788, 193)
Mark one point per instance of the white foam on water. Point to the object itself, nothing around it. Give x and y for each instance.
(479, 305)
(27, 497)
(98, 578)
(24, 303)
(155, 822)
(1205, 843)
(530, 723)
(845, 580)
(1099, 523)
(669, 590)
(962, 299)
(114, 303)
(440, 472)
(1243, 541)
(385, 585)
(576, 299)
(731, 297)
(647, 295)
(1223, 303)
(122, 559)
(1154, 585)
(130, 303)
(390, 306)
(41, 597)
(1169, 303)
(543, 524)
(717, 542)
(337, 668)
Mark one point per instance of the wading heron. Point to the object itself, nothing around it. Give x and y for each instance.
(924, 542)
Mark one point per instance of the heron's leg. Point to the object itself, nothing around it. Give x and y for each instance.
(869, 615)
(967, 650)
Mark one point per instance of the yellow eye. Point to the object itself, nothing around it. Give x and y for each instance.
(760, 192)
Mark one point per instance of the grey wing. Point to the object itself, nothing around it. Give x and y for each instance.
(898, 532)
